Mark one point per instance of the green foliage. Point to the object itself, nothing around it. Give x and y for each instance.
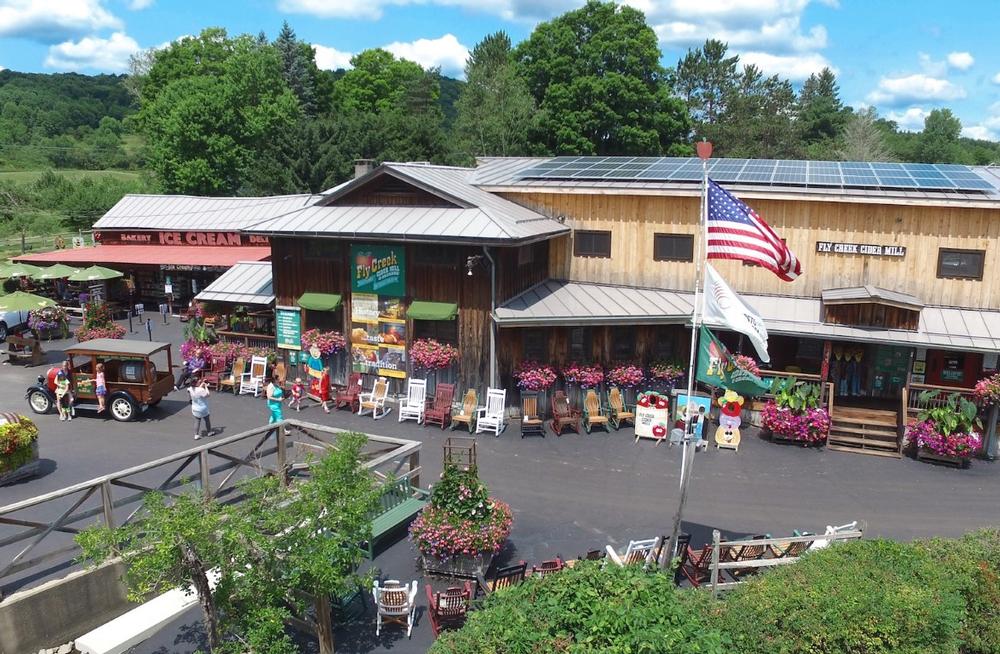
(460, 492)
(586, 609)
(872, 596)
(939, 141)
(863, 139)
(789, 393)
(16, 441)
(956, 415)
(596, 77)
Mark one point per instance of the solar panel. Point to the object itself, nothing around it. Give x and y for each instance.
(820, 174)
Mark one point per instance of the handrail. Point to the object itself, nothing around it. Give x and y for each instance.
(804, 376)
(949, 389)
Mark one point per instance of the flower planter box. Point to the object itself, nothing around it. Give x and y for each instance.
(29, 469)
(466, 566)
(955, 461)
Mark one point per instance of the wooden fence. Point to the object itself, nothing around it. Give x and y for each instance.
(247, 339)
(43, 527)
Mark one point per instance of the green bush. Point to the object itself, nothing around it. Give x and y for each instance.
(582, 610)
(974, 560)
(16, 441)
(870, 597)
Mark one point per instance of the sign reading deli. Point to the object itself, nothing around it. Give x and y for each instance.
(829, 247)
(215, 239)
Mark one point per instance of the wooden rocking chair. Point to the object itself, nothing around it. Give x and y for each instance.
(564, 415)
(233, 380)
(592, 414)
(696, 566)
(531, 423)
(504, 577)
(744, 553)
(440, 410)
(546, 568)
(447, 610)
(348, 397)
(618, 413)
(468, 415)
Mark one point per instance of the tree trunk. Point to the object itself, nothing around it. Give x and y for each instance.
(324, 623)
(199, 579)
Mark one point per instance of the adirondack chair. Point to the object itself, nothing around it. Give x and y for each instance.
(490, 417)
(790, 550)
(252, 381)
(563, 415)
(233, 380)
(394, 602)
(592, 414)
(531, 422)
(830, 531)
(504, 577)
(547, 567)
(349, 395)
(375, 400)
(412, 407)
(439, 411)
(213, 376)
(744, 553)
(468, 415)
(638, 552)
(617, 411)
(696, 566)
(447, 610)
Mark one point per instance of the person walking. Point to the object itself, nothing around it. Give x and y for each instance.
(275, 395)
(63, 396)
(198, 391)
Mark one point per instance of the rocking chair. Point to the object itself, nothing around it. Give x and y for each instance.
(348, 397)
(440, 411)
(592, 414)
(564, 415)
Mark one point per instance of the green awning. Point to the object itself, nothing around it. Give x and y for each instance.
(421, 310)
(319, 301)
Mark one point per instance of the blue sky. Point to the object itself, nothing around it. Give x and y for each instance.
(904, 58)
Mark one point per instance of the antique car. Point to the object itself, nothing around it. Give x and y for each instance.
(134, 380)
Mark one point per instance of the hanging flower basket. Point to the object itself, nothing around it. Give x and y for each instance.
(987, 390)
(626, 376)
(584, 376)
(429, 354)
(49, 323)
(747, 363)
(665, 374)
(534, 376)
(329, 343)
(97, 323)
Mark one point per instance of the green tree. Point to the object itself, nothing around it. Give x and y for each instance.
(938, 143)
(758, 120)
(705, 78)
(596, 77)
(821, 115)
(863, 139)
(298, 62)
(495, 108)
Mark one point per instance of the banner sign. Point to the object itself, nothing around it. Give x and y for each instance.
(378, 335)
(378, 269)
(288, 321)
(828, 247)
(717, 368)
(210, 239)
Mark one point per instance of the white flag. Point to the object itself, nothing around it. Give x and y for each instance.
(724, 308)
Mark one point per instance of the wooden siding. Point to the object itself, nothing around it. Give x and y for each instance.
(633, 219)
(871, 314)
(514, 277)
(387, 190)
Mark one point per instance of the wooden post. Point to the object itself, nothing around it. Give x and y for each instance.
(204, 472)
(282, 459)
(109, 517)
(991, 433)
(715, 563)
(414, 464)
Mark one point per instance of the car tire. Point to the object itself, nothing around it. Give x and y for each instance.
(122, 408)
(40, 402)
(4, 331)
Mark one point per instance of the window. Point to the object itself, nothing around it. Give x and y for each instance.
(324, 320)
(673, 247)
(588, 243)
(434, 255)
(442, 331)
(579, 344)
(960, 264)
(319, 248)
(623, 343)
(535, 345)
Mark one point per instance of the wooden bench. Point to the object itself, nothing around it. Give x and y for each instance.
(400, 503)
(24, 349)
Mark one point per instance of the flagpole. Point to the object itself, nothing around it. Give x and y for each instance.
(687, 456)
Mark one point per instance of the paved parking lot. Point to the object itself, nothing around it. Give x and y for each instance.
(569, 494)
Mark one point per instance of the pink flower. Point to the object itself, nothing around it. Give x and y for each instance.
(809, 425)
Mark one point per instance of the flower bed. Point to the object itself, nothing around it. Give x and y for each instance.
(193, 350)
(429, 354)
(18, 445)
(665, 372)
(626, 376)
(959, 445)
(328, 342)
(462, 520)
(97, 323)
(108, 331)
(534, 376)
(808, 426)
(586, 376)
(49, 322)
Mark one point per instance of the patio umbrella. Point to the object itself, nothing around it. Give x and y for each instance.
(21, 301)
(93, 274)
(19, 270)
(58, 271)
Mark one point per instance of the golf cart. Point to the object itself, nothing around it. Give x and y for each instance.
(133, 379)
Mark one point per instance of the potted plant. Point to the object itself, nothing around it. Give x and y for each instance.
(628, 378)
(462, 528)
(945, 431)
(97, 323)
(665, 374)
(329, 343)
(18, 448)
(987, 394)
(796, 413)
(49, 322)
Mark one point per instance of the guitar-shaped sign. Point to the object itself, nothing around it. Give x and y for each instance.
(728, 433)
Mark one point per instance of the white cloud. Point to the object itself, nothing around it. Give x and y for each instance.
(445, 52)
(960, 60)
(331, 58)
(996, 78)
(138, 5)
(979, 132)
(91, 52)
(793, 67)
(898, 91)
(522, 10)
(931, 66)
(49, 21)
(989, 128)
(910, 120)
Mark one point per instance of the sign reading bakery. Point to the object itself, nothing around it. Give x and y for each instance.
(864, 249)
(214, 239)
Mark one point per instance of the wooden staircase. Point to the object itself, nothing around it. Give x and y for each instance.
(865, 431)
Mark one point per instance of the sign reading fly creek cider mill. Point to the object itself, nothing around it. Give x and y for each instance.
(828, 247)
(378, 269)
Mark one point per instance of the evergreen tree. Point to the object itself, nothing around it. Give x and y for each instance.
(821, 114)
(705, 78)
(759, 119)
(298, 61)
(863, 139)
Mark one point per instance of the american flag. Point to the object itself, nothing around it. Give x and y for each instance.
(735, 231)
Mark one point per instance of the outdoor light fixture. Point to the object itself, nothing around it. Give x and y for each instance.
(471, 262)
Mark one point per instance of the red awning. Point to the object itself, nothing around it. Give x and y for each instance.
(151, 255)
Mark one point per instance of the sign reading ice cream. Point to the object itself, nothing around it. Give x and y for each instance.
(378, 269)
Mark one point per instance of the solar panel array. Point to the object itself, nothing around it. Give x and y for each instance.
(773, 172)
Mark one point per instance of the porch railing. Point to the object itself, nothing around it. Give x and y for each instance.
(826, 390)
(247, 339)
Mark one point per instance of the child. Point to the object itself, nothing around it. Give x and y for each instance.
(69, 394)
(63, 396)
(298, 392)
(102, 389)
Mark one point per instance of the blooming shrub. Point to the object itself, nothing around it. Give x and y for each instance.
(194, 351)
(809, 425)
(429, 354)
(534, 376)
(97, 323)
(665, 372)
(626, 376)
(747, 363)
(987, 390)
(587, 376)
(16, 439)
(327, 342)
(925, 435)
(50, 320)
(461, 519)
(108, 331)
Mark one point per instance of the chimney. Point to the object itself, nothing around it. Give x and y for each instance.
(362, 167)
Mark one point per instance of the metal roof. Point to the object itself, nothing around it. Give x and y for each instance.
(504, 174)
(248, 282)
(188, 212)
(118, 346)
(477, 216)
(870, 293)
(566, 303)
